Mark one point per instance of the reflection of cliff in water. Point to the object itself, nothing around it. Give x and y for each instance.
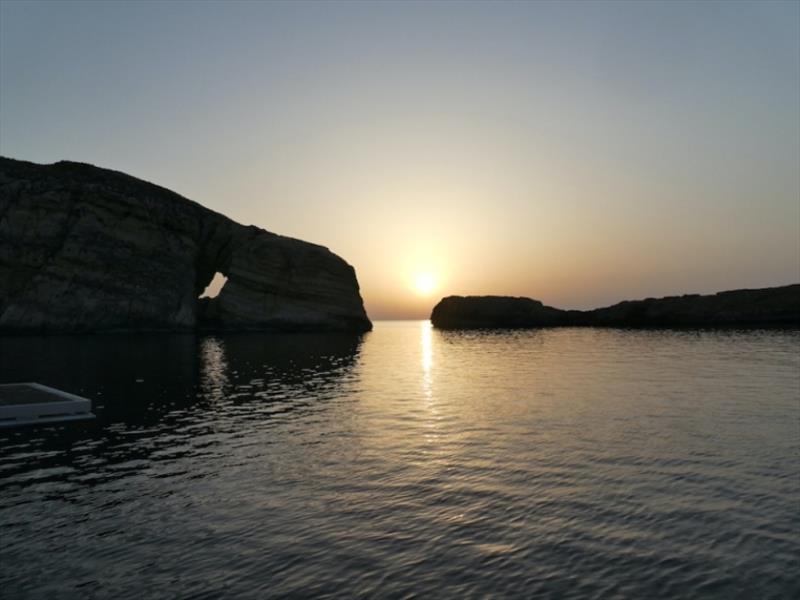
(188, 387)
(245, 367)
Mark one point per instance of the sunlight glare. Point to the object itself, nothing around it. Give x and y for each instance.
(425, 284)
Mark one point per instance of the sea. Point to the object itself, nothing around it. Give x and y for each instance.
(408, 462)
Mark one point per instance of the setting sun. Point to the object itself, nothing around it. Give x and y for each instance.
(440, 299)
(424, 283)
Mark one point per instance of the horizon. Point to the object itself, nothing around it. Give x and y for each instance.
(437, 299)
(578, 154)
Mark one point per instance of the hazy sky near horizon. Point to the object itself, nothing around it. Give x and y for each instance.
(577, 153)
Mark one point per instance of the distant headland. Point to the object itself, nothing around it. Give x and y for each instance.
(85, 249)
(766, 306)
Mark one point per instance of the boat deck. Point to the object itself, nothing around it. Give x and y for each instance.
(33, 403)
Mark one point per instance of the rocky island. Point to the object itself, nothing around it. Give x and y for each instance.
(85, 249)
(766, 306)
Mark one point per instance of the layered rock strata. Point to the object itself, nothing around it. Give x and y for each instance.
(85, 249)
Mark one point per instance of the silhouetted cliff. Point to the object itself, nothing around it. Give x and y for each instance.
(779, 305)
(89, 249)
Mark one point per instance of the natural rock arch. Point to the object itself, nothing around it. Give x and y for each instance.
(88, 249)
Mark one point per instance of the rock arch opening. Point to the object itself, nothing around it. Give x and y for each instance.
(214, 286)
(208, 302)
(212, 271)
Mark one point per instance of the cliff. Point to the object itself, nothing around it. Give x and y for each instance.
(89, 249)
(767, 306)
(476, 312)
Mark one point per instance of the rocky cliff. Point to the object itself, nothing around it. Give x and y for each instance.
(89, 249)
(476, 312)
(767, 306)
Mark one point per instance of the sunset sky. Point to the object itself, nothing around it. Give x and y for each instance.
(577, 153)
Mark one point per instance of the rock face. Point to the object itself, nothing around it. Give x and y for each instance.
(476, 312)
(767, 306)
(88, 249)
(778, 305)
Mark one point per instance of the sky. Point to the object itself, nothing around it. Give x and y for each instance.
(576, 153)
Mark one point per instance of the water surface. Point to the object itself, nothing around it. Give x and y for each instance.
(408, 462)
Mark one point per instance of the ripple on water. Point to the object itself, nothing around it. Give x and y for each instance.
(409, 462)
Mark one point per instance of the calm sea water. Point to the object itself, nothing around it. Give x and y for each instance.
(408, 463)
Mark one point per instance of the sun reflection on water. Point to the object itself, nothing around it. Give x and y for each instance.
(426, 332)
(433, 433)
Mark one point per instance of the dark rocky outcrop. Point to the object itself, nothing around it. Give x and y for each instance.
(89, 249)
(767, 306)
(475, 312)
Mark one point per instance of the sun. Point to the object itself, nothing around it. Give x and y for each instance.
(425, 283)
